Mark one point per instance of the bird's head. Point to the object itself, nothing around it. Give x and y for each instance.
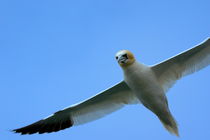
(125, 58)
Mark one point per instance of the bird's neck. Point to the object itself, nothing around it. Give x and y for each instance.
(136, 66)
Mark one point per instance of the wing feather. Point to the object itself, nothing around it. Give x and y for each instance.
(94, 108)
(185, 63)
(103, 104)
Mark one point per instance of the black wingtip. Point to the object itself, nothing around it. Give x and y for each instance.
(16, 131)
(13, 131)
(41, 127)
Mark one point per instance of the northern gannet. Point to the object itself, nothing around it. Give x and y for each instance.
(142, 84)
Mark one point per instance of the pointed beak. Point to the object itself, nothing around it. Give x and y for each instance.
(122, 60)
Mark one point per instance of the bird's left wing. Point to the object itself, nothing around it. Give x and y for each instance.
(192, 60)
(94, 108)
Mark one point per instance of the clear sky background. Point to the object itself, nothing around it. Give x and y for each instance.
(57, 53)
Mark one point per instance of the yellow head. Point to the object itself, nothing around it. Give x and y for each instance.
(125, 58)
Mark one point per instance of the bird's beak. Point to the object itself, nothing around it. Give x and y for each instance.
(122, 60)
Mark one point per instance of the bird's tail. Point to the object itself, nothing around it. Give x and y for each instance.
(169, 123)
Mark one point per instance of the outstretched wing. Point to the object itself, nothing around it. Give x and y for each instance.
(192, 60)
(94, 108)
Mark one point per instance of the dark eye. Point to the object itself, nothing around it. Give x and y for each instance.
(116, 57)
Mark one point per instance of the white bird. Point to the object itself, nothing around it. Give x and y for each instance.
(142, 84)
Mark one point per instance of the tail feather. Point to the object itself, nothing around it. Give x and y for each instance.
(170, 124)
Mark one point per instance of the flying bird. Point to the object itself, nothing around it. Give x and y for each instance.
(142, 84)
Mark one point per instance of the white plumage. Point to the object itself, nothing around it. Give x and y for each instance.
(185, 63)
(141, 84)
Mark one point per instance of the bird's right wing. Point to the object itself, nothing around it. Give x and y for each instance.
(190, 61)
(102, 104)
(94, 108)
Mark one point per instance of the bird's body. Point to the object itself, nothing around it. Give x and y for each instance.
(141, 79)
(142, 83)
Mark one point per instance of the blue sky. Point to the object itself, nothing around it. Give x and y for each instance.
(57, 53)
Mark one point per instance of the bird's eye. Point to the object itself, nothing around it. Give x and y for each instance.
(116, 57)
